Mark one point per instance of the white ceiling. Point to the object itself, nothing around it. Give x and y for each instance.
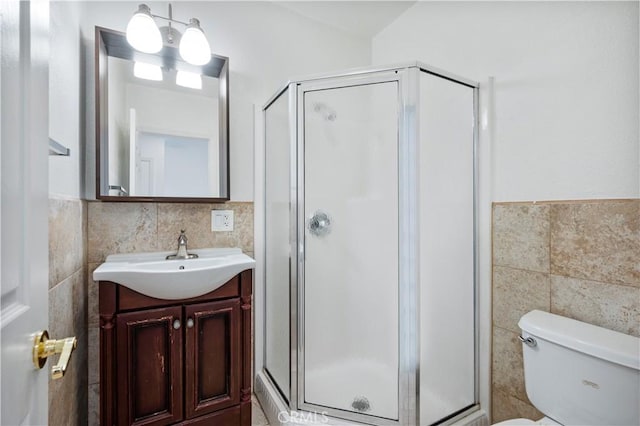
(361, 18)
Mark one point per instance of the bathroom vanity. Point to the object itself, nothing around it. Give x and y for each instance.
(180, 361)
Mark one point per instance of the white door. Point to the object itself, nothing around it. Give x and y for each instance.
(24, 46)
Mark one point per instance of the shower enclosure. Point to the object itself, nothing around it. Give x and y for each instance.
(370, 266)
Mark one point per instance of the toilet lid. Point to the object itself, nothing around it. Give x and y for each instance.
(515, 422)
(545, 421)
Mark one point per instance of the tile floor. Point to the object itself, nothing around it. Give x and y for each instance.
(257, 415)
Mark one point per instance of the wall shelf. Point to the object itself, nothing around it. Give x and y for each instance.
(56, 148)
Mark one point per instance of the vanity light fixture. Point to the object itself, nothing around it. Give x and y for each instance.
(147, 71)
(142, 32)
(143, 35)
(188, 79)
(194, 47)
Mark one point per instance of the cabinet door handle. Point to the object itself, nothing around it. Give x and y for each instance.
(189, 322)
(176, 324)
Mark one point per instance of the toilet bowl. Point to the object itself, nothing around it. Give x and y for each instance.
(545, 421)
(579, 374)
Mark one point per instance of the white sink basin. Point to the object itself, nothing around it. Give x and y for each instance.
(152, 275)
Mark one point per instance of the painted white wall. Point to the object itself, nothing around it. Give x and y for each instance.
(566, 88)
(65, 109)
(560, 118)
(266, 44)
(172, 112)
(180, 114)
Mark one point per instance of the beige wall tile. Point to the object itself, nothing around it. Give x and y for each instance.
(521, 236)
(505, 407)
(196, 220)
(61, 310)
(67, 238)
(592, 241)
(597, 241)
(68, 308)
(616, 307)
(121, 228)
(93, 364)
(138, 227)
(92, 296)
(516, 292)
(68, 317)
(507, 367)
(94, 405)
(242, 235)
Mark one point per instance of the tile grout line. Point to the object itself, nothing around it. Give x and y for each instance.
(563, 276)
(595, 281)
(567, 202)
(519, 269)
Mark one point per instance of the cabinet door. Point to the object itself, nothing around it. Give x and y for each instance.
(149, 367)
(212, 357)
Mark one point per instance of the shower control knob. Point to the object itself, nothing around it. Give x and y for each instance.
(319, 224)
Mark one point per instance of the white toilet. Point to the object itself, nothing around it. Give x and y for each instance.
(579, 374)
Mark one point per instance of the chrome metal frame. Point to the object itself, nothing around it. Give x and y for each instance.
(476, 240)
(409, 246)
(407, 77)
(369, 70)
(295, 244)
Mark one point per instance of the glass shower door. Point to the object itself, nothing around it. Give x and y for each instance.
(350, 272)
(277, 243)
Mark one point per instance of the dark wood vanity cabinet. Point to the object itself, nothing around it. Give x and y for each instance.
(212, 367)
(149, 366)
(185, 362)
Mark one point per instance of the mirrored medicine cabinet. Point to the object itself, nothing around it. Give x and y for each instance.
(159, 137)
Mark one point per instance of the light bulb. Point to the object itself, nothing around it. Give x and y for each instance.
(147, 71)
(142, 32)
(194, 47)
(188, 79)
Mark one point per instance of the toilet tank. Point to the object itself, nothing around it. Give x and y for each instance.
(581, 374)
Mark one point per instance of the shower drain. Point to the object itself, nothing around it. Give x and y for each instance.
(361, 403)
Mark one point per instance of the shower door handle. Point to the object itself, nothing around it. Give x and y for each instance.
(319, 224)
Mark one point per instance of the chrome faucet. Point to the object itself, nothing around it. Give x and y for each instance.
(182, 249)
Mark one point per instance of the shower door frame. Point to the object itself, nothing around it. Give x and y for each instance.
(407, 77)
(407, 314)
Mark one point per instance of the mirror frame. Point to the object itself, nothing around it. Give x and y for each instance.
(113, 43)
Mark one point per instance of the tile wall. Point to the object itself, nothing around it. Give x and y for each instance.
(579, 259)
(142, 227)
(68, 307)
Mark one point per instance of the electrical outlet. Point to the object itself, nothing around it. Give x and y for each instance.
(222, 220)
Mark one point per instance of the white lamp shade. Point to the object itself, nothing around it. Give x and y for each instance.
(189, 79)
(147, 71)
(194, 47)
(143, 33)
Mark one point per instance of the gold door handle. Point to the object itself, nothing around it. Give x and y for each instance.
(43, 347)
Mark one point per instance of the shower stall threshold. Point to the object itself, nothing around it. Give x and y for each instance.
(278, 414)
